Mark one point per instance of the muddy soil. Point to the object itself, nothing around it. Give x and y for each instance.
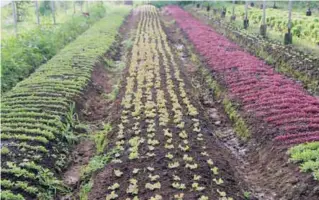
(94, 107)
(151, 165)
(261, 164)
(258, 168)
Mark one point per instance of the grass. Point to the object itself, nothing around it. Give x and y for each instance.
(85, 189)
(100, 138)
(97, 162)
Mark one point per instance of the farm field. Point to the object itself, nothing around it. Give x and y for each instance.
(288, 60)
(155, 101)
(304, 28)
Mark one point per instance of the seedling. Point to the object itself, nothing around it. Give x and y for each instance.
(154, 186)
(114, 186)
(112, 196)
(118, 173)
(177, 185)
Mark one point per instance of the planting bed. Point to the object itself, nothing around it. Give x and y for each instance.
(37, 115)
(294, 63)
(257, 159)
(164, 143)
(262, 93)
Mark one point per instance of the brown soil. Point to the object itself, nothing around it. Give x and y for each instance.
(80, 157)
(258, 166)
(94, 107)
(221, 156)
(299, 65)
(261, 164)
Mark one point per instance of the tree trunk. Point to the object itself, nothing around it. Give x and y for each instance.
(87, 6)
(14, 14)
(53, 12)
(263, 27)
(246, 21)
(37, 12)
(65, 7)
(288, 35)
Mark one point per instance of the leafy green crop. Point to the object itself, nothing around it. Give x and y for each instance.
(307, 155)
(38, 113)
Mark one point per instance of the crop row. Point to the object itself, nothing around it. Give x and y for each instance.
(37, 114)
(160, 132)
(261, 91)
(286, 59)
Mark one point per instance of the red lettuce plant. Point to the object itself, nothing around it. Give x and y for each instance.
(261, 90)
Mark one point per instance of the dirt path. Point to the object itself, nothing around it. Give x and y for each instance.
(165, 143)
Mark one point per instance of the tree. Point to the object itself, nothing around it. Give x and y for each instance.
(45, 8)
(263, 27)
(14, 16)
(64, 5)
(37, 11)
(288, 35)
(53, 11)
(246, 20)
(233, 16)
(81, 5)
(21, 9)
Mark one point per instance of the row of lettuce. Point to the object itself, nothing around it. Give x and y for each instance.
(261, 91)
(37, 115)
(21, 55)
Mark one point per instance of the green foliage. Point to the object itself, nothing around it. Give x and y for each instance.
(21, 9)
(8, 195)
(39, 113)
(302, 26)
(4, 150)
(247, 195)
(85, 189)
(45, 8)
(22, 55)
(160, 4)
(97, 162)
(307, 155)
(100, 138)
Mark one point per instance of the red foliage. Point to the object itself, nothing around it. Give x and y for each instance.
(270, 96)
